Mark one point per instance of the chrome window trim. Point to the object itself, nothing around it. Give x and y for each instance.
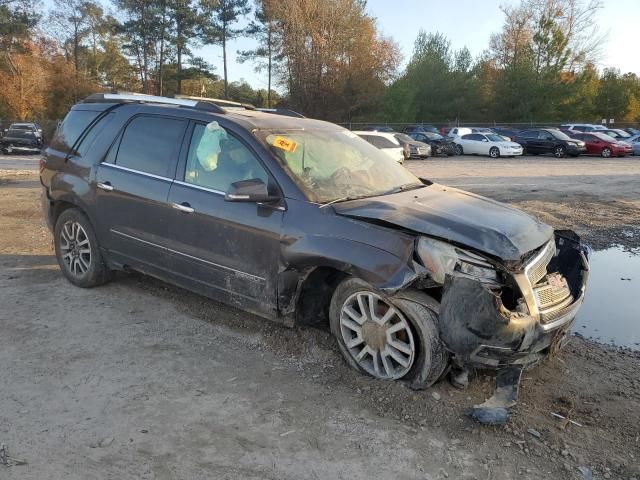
(199, 187)
(262, 279)
(139, 172)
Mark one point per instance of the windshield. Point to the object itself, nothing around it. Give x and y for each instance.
(559, 135)
(433, 136)
(602, 136)
(404, 138)
(495, 138)
(330, 165)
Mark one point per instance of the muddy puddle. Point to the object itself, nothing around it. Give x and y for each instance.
(611, 310)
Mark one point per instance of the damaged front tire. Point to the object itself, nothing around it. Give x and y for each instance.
(389, 338)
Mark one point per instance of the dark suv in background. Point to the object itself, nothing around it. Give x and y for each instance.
(300, 220)
(537, 141)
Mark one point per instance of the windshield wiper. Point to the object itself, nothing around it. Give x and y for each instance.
(346, 199)
(404, 188)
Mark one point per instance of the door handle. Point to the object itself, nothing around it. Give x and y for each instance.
(105, 186)
(183, 207)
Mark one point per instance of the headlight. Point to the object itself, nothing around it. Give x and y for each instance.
(442, 259)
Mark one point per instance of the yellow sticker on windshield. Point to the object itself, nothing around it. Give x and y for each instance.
(285, 144)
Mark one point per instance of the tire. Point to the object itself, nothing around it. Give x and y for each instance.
(459, 150)
(8, 149)
(494, 152)
(559, 151)
(414, 318)
(77, 250)
(606, 153)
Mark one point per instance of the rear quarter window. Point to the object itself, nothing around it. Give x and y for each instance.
(71, 128)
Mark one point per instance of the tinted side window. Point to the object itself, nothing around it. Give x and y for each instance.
(151, 144)
(529, 134)
(217, 159)
(91, 136)
(71, 128)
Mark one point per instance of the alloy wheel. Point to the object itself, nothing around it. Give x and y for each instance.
(559, 152)
(494, 152)
(75, 248)
(606, 152)
(377, 336)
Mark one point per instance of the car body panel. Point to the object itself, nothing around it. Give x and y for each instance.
(457, 216)
(479, 144)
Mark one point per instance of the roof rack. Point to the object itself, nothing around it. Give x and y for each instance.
(287, 112)
(198, 103)
(218, 101)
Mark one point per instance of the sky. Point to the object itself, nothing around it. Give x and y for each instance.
(467, 23)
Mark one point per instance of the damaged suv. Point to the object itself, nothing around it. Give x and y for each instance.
(299, 220)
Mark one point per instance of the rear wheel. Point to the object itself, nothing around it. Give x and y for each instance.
(390, 338)
(606, 152)
(559, 151)
(77, 250)
(494, 152)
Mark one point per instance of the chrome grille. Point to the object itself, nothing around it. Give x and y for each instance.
(537, 269)
(547, 296)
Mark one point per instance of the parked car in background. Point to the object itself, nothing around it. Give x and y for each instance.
(549, 140)
(458, 132)
(302, 222)
(419, 128)
(378, 128)
(616, 133)
(581, 127)
(386, 142)
(634, 141)
(29, 127)
(20, 140)
(439, 145)
(482, 130)
(507, 132)
(491, 144)
(632, 131)
(413, 148)
(604, 145)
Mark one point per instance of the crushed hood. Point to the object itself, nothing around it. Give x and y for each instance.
(457, 216)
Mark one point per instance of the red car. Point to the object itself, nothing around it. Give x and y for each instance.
(603, 145)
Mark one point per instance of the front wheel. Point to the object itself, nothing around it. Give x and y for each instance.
(606, 152)
(390, 338)
(8, 149)
(559, 152)
(77, 250)
(494, 152)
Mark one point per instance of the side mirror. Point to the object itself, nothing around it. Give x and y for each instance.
(485, 140)
(253, 190)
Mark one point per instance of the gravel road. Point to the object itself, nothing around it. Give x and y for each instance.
(138, 379)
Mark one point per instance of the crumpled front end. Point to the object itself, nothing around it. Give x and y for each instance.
(521, 321)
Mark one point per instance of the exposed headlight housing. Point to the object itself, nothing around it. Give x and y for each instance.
(442, 259)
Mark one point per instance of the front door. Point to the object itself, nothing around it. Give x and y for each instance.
(131, 190)
(224, 249)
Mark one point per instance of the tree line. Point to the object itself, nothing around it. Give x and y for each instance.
(325, 58)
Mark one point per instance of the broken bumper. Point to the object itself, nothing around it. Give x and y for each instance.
(479, 331)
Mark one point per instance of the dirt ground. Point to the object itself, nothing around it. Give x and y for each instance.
(138, 379)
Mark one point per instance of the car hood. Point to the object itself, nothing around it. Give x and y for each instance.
(508, 144)
(457, 216)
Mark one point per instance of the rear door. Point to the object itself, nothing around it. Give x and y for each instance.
(224, 249)
(131, 190)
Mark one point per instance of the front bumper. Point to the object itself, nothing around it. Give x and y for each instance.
(480, 332)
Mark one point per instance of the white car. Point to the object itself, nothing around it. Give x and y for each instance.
(387, 142)
(582, 127)
(458, 132)
(491, 144)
